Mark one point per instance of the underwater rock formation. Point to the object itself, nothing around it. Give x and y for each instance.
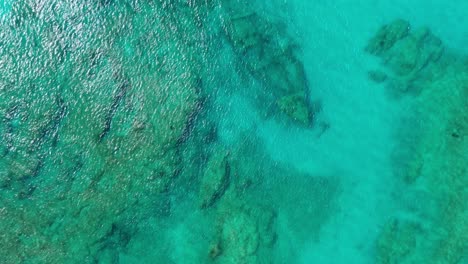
(270, 56)
(215, 180)
(247, 214)
(96, 102)
(243, 229)
(409, 56)
(387, 36)
(245, 232)
(396, 241)
(435, 232)
(92, 124)
(295, 107)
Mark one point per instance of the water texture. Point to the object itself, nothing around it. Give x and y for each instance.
(232, 131)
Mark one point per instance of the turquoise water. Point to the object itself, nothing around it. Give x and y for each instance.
(226, 131)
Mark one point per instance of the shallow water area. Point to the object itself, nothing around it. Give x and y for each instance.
(225, 132)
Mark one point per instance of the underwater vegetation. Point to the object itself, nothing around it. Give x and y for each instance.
(434, 228)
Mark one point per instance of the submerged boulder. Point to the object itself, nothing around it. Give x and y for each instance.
(242, 34)
(296, 107)
(409, 56)
(245, 232)
(269, 54)
(215, 180)
(414, 52)
(387, 36)
(377, 76)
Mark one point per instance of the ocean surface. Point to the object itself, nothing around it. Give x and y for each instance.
(232, 131)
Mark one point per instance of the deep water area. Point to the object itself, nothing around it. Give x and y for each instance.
(233, 131)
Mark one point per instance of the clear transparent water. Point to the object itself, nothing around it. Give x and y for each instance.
(231, 132)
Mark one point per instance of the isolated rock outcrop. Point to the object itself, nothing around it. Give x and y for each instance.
(215, 179)
(245, 232)
(296, 107)
(270, 55)
(387, 36)
(409, 56)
